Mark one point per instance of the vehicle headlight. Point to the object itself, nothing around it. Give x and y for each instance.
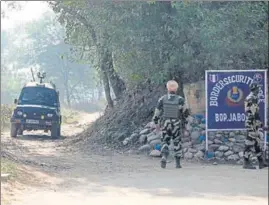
(19, 113)
(50, 115)
(24, 115)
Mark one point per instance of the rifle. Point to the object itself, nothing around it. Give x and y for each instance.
(183, 116)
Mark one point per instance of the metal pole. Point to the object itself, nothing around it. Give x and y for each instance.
(265, 109)
(206, 115)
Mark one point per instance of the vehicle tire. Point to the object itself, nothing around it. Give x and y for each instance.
(59, 130)
(14, 130)
(55, 131)
(20, 132)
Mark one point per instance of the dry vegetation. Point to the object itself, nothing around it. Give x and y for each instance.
(6, 112)
(115, 125)
(69, 116)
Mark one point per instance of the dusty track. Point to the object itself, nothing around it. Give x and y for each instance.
(98, 177)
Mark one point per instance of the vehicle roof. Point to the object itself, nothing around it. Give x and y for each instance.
(36, 84)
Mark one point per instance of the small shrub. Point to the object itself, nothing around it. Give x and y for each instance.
(6, 112)
(69, 116)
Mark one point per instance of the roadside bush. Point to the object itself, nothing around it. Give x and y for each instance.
(69, 116)
(6, 112)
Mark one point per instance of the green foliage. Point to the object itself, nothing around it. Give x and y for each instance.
(152, 39)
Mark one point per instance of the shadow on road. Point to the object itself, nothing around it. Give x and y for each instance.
(103, 179)
(39, 137)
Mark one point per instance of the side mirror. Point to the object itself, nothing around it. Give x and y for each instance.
(15, 101)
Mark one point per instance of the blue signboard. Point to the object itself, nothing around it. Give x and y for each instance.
(225, 94)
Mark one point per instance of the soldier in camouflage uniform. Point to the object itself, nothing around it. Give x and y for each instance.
(172, 114)
(253, 125)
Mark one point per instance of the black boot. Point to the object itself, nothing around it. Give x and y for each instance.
(177, 159)
(165, 153)
(262, 163)
(247, 164)
(163, 162)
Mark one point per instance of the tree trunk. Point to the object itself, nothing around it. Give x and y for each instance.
(100, 93)
(105, 78)
(107, 90)
(67, 96)
(116, 82)
(100, 52)
(66, 85)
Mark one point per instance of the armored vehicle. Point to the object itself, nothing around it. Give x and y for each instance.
(38, 108)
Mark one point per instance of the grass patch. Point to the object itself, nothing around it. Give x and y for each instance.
(70, 116)
(6, 112)
(9, 167)
(10, 186)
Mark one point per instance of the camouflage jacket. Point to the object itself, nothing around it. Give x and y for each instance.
(183, 110)
(253, 120)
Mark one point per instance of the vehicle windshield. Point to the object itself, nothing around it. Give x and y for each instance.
(38, 96)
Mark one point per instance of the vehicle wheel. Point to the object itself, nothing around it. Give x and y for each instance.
(14, 130)
(20, 132)
(55, 131)
(59, 130)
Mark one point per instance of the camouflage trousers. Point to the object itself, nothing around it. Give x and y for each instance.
(171, 129)
(252, 146)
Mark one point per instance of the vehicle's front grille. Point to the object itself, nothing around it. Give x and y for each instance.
(35, 116)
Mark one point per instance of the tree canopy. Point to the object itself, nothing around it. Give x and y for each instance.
(40, 45)
(125, 45)
(157, 41)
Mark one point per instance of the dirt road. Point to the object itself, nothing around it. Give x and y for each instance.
(72, 177)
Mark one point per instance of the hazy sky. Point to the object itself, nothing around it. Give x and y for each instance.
(31, 11)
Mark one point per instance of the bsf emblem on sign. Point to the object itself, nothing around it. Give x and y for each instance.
(234, 96)
(257, 77)
(213, 78)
